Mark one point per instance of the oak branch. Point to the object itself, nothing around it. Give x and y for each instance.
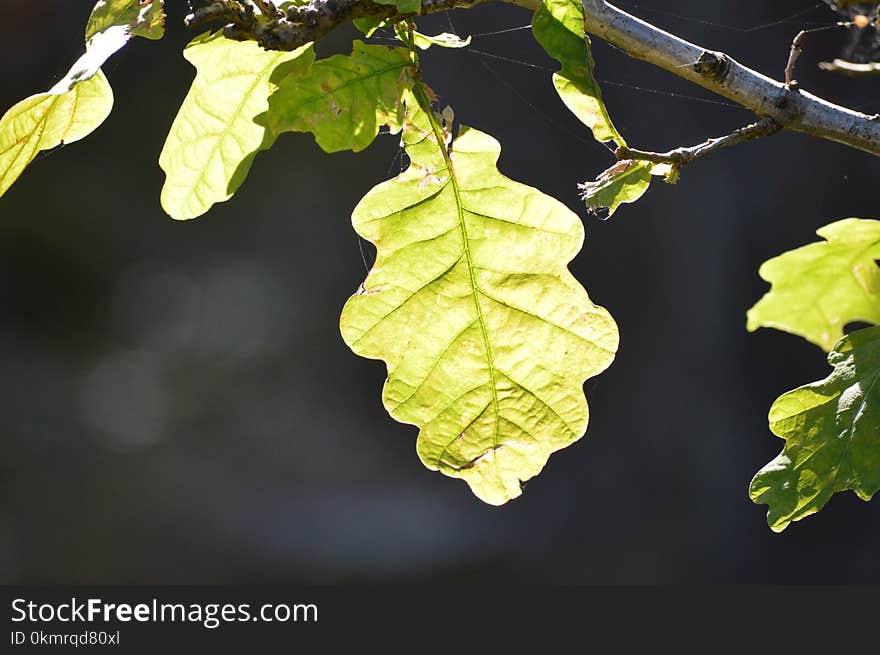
(787, 105)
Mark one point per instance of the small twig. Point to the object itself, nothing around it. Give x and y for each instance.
(797, 47)
(850, 68)
(681, 157)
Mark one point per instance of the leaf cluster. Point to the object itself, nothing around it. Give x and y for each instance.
(486, 335)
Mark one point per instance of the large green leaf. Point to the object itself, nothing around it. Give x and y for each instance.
(343, 100)
(47, 120)
(625, 182)
(819, 288)
(832, 435)
(222, 124)
(558, 25)
(487, 336)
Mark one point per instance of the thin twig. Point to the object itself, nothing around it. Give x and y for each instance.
(681, 157)
(850, 68)
(798, 43)
(797, 47)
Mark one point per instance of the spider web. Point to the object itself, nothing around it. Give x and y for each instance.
(492, 50)
(863, 44)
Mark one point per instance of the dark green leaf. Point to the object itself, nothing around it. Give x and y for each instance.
(832, 435)
(344, 100)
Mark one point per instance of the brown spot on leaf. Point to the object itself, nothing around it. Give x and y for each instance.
(432, 95)
(336, 108)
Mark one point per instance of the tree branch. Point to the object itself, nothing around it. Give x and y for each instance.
(681, 157)
(790, 107)
(311, 22)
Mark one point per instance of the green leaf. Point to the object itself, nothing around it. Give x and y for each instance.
(369, 25)
(403, 6)
(47, 120)
(144, 18)
(832, 440)
(111, 25)
(487, 336)
(444, 40)
(343, 100)
(423, 41)
(222, 123)
(819, 288)
(82, 99)
(558, 25)
(625, 182)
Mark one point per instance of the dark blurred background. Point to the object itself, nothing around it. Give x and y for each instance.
(177, 405)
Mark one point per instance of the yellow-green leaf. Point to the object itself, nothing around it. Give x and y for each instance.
(144, 18)
(47, 120)
(832, 440)
(624, 182)
(111, 25)
(369, 25)
(487, 336)
(79, 102)
(403, 6)
(444, 40)
(344, 100)
(222, 124)
(819, 288)
(558, 25)
(424, 41)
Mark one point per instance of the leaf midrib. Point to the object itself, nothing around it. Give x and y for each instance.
(475, 292)
(227, 130)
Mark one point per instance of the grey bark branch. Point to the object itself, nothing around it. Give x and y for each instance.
(680, 157)
(793, 109)
(790, 107)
